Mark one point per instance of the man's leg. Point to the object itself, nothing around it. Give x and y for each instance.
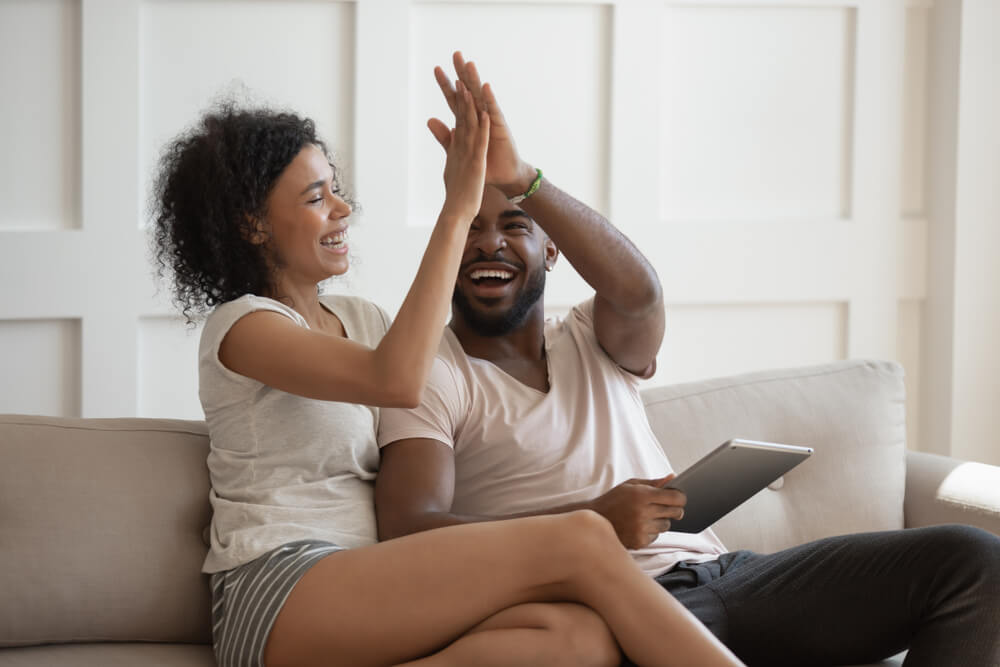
(855, 598)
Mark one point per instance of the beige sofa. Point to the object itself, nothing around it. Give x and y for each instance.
(101, 520)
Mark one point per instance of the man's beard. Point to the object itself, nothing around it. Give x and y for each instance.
(512, 318)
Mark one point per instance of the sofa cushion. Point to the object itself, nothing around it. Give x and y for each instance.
(850, 412)
(101, 523)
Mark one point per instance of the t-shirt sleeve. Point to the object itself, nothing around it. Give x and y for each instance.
(438, 416)
(218, 325)
(581, 322)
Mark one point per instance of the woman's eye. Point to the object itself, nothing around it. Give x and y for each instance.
(316, 201)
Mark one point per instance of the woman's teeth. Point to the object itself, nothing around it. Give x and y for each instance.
(334, 240)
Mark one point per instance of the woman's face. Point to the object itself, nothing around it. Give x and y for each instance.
(307, 222)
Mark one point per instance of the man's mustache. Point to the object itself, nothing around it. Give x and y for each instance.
(495, 258)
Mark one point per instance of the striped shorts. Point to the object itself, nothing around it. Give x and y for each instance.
(246, 600)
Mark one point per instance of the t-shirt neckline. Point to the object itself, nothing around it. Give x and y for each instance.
(487, 362)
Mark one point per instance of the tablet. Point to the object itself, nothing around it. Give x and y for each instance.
(727, 476)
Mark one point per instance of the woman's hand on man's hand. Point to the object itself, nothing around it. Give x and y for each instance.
(504, 167)
(465, 167)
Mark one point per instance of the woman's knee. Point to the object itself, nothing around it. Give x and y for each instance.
(588, 533)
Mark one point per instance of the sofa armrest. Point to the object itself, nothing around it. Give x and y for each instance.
(940, 490)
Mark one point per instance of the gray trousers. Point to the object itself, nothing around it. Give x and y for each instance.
(854, 599)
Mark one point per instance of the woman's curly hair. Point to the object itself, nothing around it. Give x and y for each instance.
(213, 181)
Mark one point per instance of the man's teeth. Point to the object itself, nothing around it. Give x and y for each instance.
(334, 240)
(479, 274)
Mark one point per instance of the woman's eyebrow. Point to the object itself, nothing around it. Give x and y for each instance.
(312, 186)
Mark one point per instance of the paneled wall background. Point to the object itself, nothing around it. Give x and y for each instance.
(769, 156)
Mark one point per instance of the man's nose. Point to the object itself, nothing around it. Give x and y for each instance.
(489, 241)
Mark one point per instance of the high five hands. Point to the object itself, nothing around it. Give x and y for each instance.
(465, 166)
(504, 167)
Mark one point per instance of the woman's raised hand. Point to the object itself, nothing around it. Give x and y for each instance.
(466, 145)
(504, 167)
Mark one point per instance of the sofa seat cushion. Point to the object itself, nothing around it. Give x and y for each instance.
(101, 522)
(850, 412)
(109, 655)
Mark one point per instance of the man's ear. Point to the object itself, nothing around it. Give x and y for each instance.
(551, 253)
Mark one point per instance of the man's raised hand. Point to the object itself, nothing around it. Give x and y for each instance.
(504, 167)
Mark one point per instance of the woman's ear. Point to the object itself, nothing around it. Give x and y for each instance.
(255, 231)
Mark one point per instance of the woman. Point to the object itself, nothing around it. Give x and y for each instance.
(249, 220)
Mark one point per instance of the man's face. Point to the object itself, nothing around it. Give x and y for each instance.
(502, 275)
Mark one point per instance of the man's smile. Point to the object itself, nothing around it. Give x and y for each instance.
(490, 280)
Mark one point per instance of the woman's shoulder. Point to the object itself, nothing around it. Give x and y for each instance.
(225, 315)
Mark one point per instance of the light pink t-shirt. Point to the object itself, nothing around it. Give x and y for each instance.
(518, 449)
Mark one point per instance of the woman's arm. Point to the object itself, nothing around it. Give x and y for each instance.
(272, 349)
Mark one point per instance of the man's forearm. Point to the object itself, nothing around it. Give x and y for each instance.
(602, 255)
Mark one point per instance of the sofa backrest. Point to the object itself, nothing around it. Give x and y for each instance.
(101, 520)
(852, 413)
(101, 530)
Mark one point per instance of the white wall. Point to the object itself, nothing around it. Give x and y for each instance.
(962, 316)
(771, 158)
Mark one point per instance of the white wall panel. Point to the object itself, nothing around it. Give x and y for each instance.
(553, 91)
(758, 115)
(40, 370)
(914, 110)
(40, 114)
(908, 354)
(757, 106)
(711, 340)
(297, 55)
(168, 368)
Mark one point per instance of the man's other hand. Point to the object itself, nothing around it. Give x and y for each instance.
(640, 509)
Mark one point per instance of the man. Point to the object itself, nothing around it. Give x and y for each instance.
(523, 416)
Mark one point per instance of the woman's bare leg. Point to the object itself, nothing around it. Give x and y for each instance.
(411, 597)
(554, 634)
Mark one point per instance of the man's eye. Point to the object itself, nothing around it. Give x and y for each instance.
(316, 201)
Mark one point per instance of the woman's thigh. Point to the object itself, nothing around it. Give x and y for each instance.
(409, 597)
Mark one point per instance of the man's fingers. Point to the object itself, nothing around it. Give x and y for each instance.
(490, 100)
(658, 482)
(668, 497)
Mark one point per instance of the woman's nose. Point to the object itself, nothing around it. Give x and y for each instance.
(341, 209)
